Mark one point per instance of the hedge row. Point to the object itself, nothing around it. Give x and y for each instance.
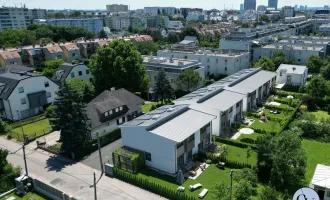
(91, 146)
(234, 143)
(150, 185)
(28, 121)
(270, 107)
(291, 88)
(272, 118)
(286, 123)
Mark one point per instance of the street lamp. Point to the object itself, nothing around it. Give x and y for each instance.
(24, 143)
(231, 183)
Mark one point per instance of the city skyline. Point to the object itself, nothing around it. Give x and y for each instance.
(101, 4)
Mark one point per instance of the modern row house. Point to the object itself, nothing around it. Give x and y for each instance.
(169, 136)
(68, 71)
(25, 92)
(291, 74)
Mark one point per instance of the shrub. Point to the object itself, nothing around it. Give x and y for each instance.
(229, 163)
(208, 161)
(292, 88)
(50, 113)
(28, 121)
(328, 109)
(234, 143)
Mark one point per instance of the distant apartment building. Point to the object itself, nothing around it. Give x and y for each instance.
(195, 16)
(291, 20)
(324, 29)
(10, 58)
(307, 41)
(250, 4)
(287, 11)
(40, 21)
(273, 4)
(138, 22)
(117, 23)
(117, 8)
(14, 18)
(262, 8)
(38, 13)
(241, 7)
(158, 21)
(173, 67)
(154, 10)
(93, 25)
(175, 25)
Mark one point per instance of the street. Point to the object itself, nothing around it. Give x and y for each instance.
(72, 178)
(93, 160)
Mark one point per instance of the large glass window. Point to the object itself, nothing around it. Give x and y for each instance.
(148, 156)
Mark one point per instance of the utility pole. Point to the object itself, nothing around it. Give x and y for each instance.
(231, 183)
(100, 154)
(95, 195)
(24, 143)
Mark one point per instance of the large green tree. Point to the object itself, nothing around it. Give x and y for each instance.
(118, 65)
(7, 172)
(189, 31)
(268, 193)
(244, 191)
(85, 89)
(102, 34)
(51, 66)
(162, 87)
(314, 64)
(265, 63)
(318, 87)
(71, 118)
(278, 58)
(188, 80)
(220, 191)
(325, 71)
(147, 48)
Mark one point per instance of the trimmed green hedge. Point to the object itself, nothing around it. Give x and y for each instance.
(233, 142)
(270, 107)
(150, 186)
(28, 121)
(286, 123)
(91, 146)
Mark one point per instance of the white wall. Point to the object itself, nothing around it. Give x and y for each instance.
(85, 77)
(162, 150)
(30, 85)
(104, 128)
(296, 79)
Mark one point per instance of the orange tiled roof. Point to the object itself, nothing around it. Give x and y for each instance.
(9, 55)
(71, 47)
(54, 49)
(103, 42)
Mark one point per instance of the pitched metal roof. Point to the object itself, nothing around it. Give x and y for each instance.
(16, 68)
(321, 176)
(109, 100)
(224, 100)
(64, 70)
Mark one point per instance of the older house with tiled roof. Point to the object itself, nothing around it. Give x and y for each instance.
(54, 52)
(68, 71)
(10, 58)
(71, 52)
(113, 108)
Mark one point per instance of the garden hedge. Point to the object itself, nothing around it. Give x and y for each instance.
(234, 142)
(150, 185)
(28, 121)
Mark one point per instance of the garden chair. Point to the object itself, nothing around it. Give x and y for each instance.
(195, 187)
(203, 193)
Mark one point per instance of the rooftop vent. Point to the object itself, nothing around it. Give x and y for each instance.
(155, 117)
(170, 109)
(293, 68)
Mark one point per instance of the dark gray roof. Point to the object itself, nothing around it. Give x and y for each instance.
(16, 68)
(108, 100)
(8, 82)
(66, 69)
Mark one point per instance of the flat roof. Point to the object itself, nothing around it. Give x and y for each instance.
(218, 52)
(297, 47)
(184, 125)
(165, 62)
(321, 176)
(292, 69)
(224, 100)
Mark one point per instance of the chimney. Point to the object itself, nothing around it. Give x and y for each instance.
(293, 68)
(112, 89)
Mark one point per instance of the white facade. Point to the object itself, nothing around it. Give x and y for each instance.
(292, 74)
(81, 72)
(19, 100)
(14, 18)
(289, 20)
(287, 11)
(324, 29)
(321, 181)
(117, 23)
(93, 25)
(152, 10)
(213, 62)
(117, 8)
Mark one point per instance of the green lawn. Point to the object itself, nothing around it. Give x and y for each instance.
(282, 115)
(239, 154)
(252, 136)
(28, 196)
(32, 130)
(147, 106)
(268, 126)
(320, 114)
(317, 153)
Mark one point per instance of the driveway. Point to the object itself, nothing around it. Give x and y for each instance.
(93, 159)
(50, 139)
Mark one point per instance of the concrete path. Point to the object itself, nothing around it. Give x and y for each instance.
(236, 135)
(50, 139)
(71, 178)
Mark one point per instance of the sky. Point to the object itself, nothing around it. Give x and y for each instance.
(135, 4)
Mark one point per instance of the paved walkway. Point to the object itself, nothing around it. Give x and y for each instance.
(236, 135)
(50, 139)
(73, 179)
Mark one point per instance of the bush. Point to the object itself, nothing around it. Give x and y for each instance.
(150, 185)
(228, 163)
(28, 121)
(208, 161)
(234, 143)
(50, 113)
(328, 109)
(291, 88)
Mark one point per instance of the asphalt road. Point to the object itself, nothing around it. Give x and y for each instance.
(93, 160)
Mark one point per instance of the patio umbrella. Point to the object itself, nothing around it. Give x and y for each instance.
(180, 177)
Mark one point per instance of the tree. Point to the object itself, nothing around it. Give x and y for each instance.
(162, 87)
(314, 64)
(264, 18)
(75, 14)
(51, 66)
(118, 65)
(247, 174)
(163, 11)
(7, 172)
(244, 190)
(325, 72)
(147, 48)
(102, 34)
(188, 80)
(268, 193)
(175, 11)
(59, 15)
(43, 32)
(173, 38)
(248, 153)
(245, 25)
(278, 58)
(85, 90)
(71, 118)
(318, 87)
(5, 129)
(220, 191)
(264, 161)
(188, 32)
(265, 63)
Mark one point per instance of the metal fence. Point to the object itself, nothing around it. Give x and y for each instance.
(50, 191)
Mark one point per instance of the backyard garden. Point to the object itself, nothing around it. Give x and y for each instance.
(28, 196)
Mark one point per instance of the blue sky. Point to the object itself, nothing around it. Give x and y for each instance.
(134, 4)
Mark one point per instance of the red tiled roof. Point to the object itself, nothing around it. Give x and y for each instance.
(71, 47)
(54, 49)
(9, 55)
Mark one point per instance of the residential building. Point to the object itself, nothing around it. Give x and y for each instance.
(68, 71)
(173, 68)
(93, 25)
(71, 52)
(40, 21)
(195, 16)
(287, 11)
(291, 74)
(169, 136)
(117, 8)
(250, 4)
(117, 23)
(188, 41)
(38, 13)
(89, 47)
(273, 4)
(241, 7)
(324, 29)
(138, 22)
(14, 18)
(299, 54)
(262, 8)
(16, 69)
(291, 20)
(154, 10)
(307, 41)
(53, 52)
(25, 92)
(139, 38)
(111, 109)
(319, 22)
(175, 25)
(214, 61)
(10, 58)
(321, 181)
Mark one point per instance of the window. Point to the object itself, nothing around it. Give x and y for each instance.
(119, 121)
(116, 110)
(231, 110)
(208, 67)
(121, 108)
(280, 73)
(225, 60)
(80, 73)
(225, 68)
(106, 114)
(87, 71)
(48, 94)
(72, 74)
(73, 54)
(148, 156)
(185, 57)
(237, 105)
(46, 84)
(23, 101)
(171, 80)
(90, 80)
(216, 60)
(208, 60)
(178, 145)
(328, 193)
(298, 60)
(191, 138)
(20, 89)
(110, 112)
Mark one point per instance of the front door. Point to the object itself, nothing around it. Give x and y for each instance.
(200, 146)
(321, 194)
(190, 155)
(288, 79)
(180, 161)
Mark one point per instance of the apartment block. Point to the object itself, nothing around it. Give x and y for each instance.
(14, 18)
(38, 13)
(93, 25)
(117, 8)
(117, 23)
